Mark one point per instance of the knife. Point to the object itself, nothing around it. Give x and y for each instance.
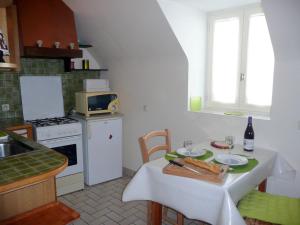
(184, 166)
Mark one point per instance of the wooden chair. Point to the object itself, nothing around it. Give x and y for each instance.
(250, 221)
(260, 208)
(146, 152)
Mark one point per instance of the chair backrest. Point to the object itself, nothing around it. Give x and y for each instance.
(146, 152)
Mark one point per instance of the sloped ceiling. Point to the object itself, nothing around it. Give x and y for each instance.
(138, 28)
(124, 29)
(211, 5)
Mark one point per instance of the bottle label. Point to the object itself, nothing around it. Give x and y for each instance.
(249, 144)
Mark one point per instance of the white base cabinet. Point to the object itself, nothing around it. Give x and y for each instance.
(102, 149)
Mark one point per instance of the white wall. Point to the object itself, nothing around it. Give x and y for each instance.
(283, 19)
(87, 54)
(148, 67)
(146, 63)
(189, 25)
(124, 29)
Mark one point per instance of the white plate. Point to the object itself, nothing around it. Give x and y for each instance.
(194, 152)
(231, 160)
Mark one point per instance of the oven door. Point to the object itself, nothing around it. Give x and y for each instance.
(71, 147)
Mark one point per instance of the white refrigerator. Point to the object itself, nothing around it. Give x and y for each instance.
(102, 148)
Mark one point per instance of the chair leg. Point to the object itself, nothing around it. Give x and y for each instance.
(180, 219)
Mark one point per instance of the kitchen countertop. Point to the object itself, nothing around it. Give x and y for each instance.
(31, 167)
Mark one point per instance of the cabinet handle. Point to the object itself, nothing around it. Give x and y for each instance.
(110, 137)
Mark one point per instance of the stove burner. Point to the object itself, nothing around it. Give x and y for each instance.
(52, 121)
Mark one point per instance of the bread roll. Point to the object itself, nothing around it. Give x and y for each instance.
(214, 168)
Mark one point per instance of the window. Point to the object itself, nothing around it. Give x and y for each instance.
(240, 61)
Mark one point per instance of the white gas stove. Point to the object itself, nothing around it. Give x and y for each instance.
(57, 127)
(42, 102)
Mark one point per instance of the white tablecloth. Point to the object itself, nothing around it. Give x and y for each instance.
(201, 200)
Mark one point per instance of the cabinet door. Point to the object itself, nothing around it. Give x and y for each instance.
(104, 150)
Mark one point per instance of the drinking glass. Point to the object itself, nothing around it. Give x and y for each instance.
(188, 144)
(230, 141)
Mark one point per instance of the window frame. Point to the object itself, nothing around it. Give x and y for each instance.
(244, 14)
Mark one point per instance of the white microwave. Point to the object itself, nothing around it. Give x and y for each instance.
(89, 103)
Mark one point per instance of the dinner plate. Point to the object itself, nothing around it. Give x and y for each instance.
(194, 153)
(231, 160)
(220, 144)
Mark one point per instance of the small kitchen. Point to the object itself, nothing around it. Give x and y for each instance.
(90, 89)
(61, 125)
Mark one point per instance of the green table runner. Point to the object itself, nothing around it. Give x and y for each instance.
(242, 169)
(233, 169)
(207, 155)
(270, 208)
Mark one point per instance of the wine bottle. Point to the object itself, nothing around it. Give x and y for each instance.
(249, 136)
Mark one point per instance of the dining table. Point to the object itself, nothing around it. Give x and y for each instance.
(213, 203)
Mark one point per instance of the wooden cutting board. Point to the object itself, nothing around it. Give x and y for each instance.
(205, 174)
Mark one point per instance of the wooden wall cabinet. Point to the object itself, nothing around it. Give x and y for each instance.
(9, 29)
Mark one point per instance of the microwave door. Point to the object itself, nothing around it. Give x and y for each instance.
(100, 102)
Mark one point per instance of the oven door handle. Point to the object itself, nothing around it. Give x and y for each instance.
(58, 140)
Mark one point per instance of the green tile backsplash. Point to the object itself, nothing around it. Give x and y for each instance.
(10, 84)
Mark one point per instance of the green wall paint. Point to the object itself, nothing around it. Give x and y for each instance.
(10, 84)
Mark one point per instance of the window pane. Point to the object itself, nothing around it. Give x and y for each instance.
(260, 63)
(225, 60)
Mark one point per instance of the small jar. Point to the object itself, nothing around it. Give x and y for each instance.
(85, 64)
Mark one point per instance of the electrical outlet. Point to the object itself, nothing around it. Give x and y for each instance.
(5, 107)
(145, 108)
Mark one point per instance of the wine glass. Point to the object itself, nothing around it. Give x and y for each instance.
(188, 144)
(230, 141)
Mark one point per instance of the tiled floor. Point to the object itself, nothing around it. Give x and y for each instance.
(101, 204)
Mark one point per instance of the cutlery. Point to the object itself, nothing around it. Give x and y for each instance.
(184, 166)
(172, 155)
(246, 156)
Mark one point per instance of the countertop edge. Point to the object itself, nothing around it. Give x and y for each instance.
(32, 180)
(17, 184)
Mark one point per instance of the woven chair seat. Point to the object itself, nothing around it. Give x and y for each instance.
(273, 209)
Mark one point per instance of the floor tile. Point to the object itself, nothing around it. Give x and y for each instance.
(101, 204)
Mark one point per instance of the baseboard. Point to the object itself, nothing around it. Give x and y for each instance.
(128, 172)
(68, 184)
